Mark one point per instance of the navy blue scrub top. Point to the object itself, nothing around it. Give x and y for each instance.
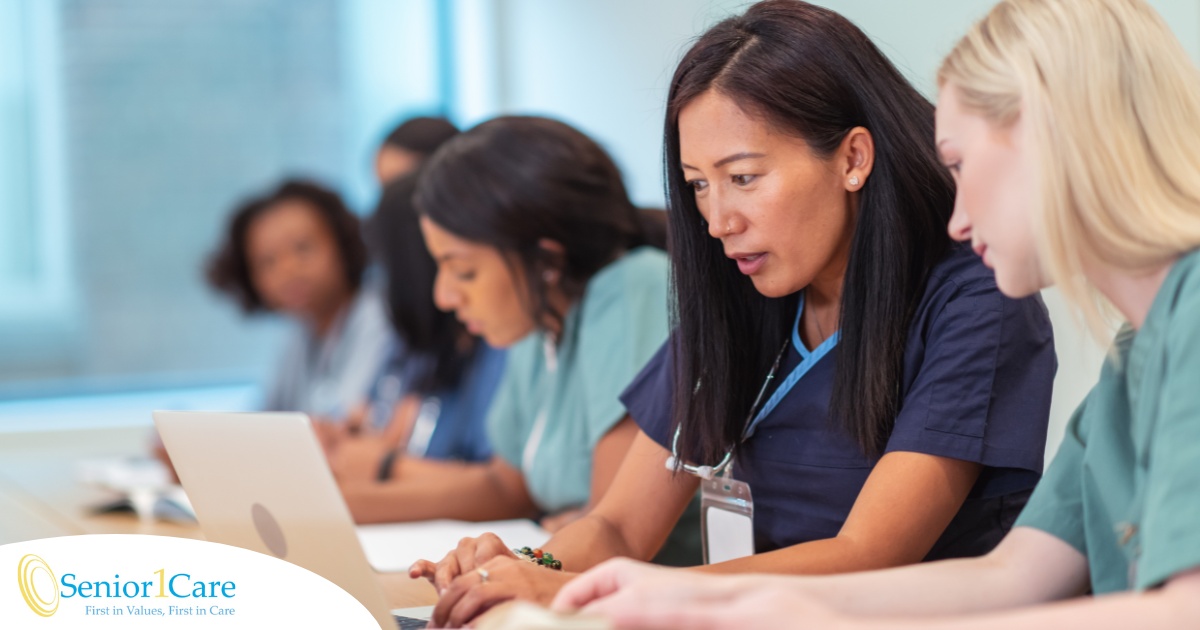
(460, 413)
(461, 429)
(978, 371)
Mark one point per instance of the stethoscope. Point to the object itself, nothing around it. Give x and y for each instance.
(708, 473)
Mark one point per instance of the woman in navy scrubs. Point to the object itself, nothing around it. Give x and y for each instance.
(882, 400)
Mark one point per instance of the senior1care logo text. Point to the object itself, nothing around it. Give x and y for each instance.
(133, 597)
(156, 581)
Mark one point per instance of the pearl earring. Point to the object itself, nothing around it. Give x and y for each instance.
(854, 180)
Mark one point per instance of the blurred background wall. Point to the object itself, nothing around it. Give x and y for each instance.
(129, 128)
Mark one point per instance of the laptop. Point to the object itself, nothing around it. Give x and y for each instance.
(260, 481)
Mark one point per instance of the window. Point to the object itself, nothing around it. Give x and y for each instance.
(36, 327)
(130, 128)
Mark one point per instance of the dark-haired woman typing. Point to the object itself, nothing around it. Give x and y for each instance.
(539, 250)
(839, 368)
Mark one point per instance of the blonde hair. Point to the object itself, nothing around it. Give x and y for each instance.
(1112, 106)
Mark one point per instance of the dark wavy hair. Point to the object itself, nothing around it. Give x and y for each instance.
(394, 235)
(809, 72)
(512, 181)
(422, 135)
(228, 269)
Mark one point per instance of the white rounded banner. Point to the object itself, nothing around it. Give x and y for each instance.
(133, 581)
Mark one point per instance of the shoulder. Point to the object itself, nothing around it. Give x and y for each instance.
(367, 333)
(487, 357)
(630, 285)
(961, 284)
(963, 313)
(368, 309)
(1174, 320)
(638, 270)
(1183, 286)
(961, 273)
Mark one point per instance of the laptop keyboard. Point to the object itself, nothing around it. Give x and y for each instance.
(408, 623)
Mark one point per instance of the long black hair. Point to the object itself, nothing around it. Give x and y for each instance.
(394, 234)
(513, 181)
(809, 72)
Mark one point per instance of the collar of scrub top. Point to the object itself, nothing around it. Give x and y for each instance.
(807, 360)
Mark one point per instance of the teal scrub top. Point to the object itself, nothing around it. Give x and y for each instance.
(1124, 488)
(555, 402)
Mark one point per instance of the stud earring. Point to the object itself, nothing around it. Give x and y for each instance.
(854, 180)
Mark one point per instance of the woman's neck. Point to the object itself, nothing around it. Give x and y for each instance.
(823, 300)
(822, 311)
(1132, 293)
(561, 305)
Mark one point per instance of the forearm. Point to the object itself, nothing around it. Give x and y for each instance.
(410, 468)
(946, 587)
(588, 542)
(462, 492)
(620, 524)
(906, 503)
(1156, 609)
(818, 557)
(1028, 567)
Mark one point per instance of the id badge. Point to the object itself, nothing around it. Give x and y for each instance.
(726, 519)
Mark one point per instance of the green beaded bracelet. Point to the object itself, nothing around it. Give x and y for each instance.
(537, 556)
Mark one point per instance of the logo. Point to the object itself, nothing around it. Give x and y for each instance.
(33, 588)
(269, 530)
(165, 578)
(38, 582)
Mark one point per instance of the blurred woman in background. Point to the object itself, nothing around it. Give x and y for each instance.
(409, 144)
(297, 251)
(434, 395)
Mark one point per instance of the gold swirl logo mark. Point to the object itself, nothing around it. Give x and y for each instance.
(27, 577)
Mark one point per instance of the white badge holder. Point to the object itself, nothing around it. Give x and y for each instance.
(726, 518)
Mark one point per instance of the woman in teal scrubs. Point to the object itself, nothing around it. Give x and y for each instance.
(1070, 128)
(538, 250)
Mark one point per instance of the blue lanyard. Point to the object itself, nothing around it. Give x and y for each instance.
(807, 361)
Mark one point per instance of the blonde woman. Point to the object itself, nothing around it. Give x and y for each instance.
(1071, 129)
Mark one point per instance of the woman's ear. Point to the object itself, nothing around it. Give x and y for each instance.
(856, 157)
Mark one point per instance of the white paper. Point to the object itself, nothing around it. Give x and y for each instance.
(394, 547)
(140, 484)
(124, 474)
